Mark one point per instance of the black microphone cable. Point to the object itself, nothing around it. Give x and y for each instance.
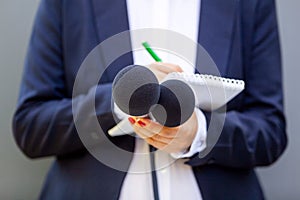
(153, 173)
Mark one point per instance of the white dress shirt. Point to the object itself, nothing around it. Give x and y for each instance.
(175, 179)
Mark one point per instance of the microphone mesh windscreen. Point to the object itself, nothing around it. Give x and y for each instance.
(176, 103)
(135, 90)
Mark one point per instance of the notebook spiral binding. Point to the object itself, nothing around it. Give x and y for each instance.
(203, 79)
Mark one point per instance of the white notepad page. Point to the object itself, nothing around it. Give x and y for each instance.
(211, 92)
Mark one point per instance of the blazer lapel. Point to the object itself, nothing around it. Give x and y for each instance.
(110, 19)
(215, 33)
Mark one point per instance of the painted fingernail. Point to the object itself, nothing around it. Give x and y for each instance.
(131, 120)
(141, 123)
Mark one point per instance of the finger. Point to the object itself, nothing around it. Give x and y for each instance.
(138, 128)
(143, 132)
(166, 67)
(156, 144)
(140, 134)
(154, 127)
(174, 67)
(162, 139)
(160, 75)
(145, 135)
(158, 128)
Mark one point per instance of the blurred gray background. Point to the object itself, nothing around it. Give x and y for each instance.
(21, 178)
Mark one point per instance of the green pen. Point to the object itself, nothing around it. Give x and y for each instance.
(151, 52)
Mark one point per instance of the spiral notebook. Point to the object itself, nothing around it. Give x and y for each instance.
(211, 92)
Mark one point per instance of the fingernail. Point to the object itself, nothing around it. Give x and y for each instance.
(141, 123)
(131, 120)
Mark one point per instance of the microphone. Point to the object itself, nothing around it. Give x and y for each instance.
(176, 103)
(136, 92)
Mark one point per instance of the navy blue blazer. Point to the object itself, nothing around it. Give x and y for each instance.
(242, 38)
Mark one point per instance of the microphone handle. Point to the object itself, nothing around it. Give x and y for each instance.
(124, 127)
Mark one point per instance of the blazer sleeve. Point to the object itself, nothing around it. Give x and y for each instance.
(255, 135)
(43, 123)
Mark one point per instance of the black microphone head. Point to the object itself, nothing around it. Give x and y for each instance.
(176, 103)
(135, 90)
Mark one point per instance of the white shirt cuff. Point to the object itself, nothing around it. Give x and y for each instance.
(199, 142)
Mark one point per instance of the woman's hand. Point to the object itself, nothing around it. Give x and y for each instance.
(171, 140)
(161, 70)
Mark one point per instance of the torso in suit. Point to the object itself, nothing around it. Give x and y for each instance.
(242, 38)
